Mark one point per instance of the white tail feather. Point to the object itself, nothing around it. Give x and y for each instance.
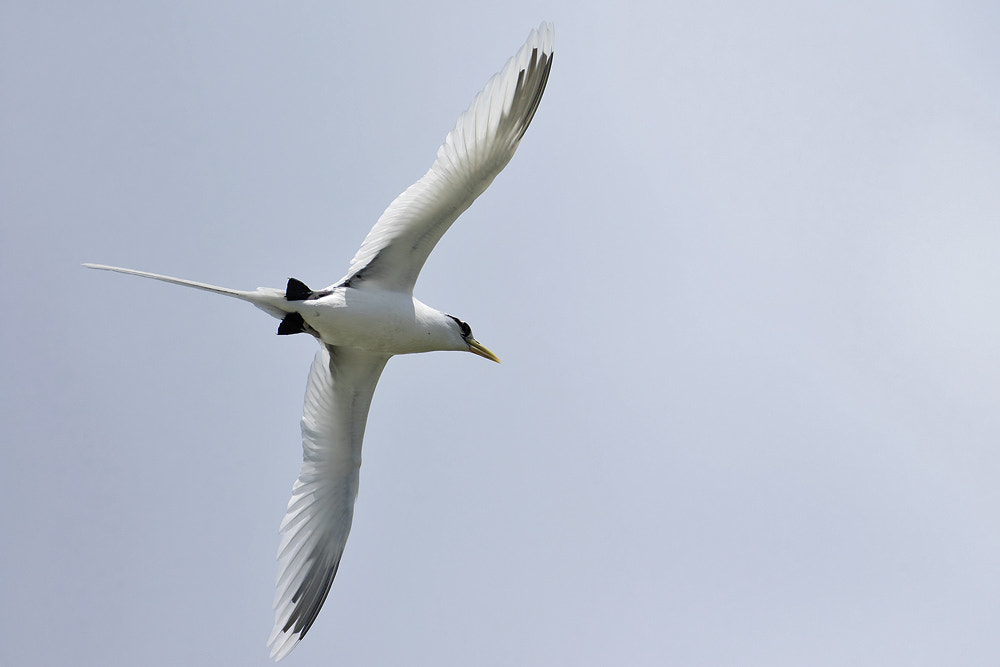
(267, 299)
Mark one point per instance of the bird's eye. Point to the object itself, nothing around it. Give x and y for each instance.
(462, 326)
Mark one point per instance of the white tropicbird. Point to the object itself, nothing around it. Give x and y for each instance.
(368, 316)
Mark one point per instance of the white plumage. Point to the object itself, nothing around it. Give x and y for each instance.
(370, 315)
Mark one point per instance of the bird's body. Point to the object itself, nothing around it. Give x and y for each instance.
(370, 315)
(379, 322)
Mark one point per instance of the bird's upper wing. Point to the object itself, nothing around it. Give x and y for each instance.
(475, 151)
(318, 519)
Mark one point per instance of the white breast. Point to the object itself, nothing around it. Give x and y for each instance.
(378, 321)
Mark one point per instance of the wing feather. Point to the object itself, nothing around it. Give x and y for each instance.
(318, 519)
(478, 148)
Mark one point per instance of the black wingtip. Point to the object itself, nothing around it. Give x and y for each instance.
(291, 324)
(296, 290)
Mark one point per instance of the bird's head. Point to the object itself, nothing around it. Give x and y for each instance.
(475, 347)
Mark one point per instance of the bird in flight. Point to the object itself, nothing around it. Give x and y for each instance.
(370, 315)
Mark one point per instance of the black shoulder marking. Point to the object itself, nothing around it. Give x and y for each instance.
(292, 324)
(296, 290)
(362, 273)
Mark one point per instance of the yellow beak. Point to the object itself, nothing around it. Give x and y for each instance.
(475, 347)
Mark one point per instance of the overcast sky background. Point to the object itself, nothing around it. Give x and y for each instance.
(743, 274)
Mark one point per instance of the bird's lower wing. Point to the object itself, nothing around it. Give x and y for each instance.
(318, 520)
(475, 151)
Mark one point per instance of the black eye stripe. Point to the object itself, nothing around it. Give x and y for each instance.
(463, 327)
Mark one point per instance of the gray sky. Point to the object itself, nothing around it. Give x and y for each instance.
(743, 275)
